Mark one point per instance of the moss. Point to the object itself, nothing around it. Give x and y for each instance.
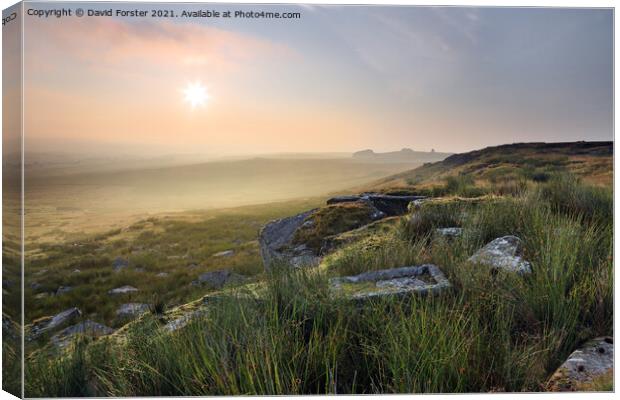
(373, 230)
(331, 220)
(354, 288)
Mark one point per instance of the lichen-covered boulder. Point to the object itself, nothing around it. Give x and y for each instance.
(594, 361)
(276, 245)
(423, 279)
(303, 239)
(503, 253)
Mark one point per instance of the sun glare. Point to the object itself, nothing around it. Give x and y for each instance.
(195, 94)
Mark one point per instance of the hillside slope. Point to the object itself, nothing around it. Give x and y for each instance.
(592, 161)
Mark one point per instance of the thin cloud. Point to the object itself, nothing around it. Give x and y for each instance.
(116, 44)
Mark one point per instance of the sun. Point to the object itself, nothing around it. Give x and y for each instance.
(196, 94)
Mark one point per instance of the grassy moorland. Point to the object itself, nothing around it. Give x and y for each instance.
(285, 332)
(181, 246)
(491, 332)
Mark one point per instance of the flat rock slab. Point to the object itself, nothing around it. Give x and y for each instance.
(423, 279)
(503, 253)
(122, 290)
(87, 328)
(593, 360)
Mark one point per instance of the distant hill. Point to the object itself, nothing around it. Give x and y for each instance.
(404, 155)
(592, 161)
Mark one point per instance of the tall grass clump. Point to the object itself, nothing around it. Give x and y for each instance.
(418, 346)
(462, 185)
(428, 217)
(566, 194)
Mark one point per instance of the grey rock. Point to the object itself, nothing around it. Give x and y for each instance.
(35, 286)
(503, 253)
(119, 264)
(76, 271)
(449, 232)
(592, 360)
(63, 317)
(63, 289)
(87, 328)
(58, 321)
(139, 269)
(226, 253)
(162, 275)
(131, 310)
(217, 279)
(42, 295)
(389, 205)
(275, 241)
(122, 290)
(423, 279)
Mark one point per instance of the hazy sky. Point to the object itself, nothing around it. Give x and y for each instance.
(337, 79)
